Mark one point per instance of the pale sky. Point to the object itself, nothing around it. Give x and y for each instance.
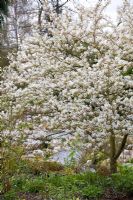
(111, 10)
(112, 7)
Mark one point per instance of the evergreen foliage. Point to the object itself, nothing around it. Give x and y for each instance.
(3, 10)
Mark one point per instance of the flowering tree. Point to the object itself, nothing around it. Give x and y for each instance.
(76, 80)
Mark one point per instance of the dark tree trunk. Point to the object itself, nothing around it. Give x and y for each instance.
(113, 166)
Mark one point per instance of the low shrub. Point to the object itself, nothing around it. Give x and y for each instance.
(92, 191)
(34, 186)
(10, 195)
(44, 167)
(80, 186)
(123, 181)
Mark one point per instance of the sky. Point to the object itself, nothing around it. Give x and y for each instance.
(111, 11)
(113, 8)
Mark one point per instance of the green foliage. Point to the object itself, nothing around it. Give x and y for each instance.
(18, 182)
(92, 191)
(4, 6)
(70, 187)
(128, 72)
(130, 160)
(11, 159)
(34, 186)
(57, 186)
(53, 181)
(11, 195)
(11, 162)
(70, 161)
(123, 181)
(3, 10)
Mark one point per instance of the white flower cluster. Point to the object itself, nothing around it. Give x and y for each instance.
(74, 79)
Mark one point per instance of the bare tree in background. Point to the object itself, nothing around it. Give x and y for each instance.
(48, 6)
(19, 20)
(22, 14)
(14, 27)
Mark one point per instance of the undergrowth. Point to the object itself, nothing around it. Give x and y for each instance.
(70, 187)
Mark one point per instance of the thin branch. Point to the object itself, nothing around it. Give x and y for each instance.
(40, 2)
(61, 132)
(63, 4)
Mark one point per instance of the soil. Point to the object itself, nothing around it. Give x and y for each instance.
(110, 194)
(29, 196)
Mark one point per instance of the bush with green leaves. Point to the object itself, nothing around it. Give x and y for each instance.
(11, 161)
(92, 191)
(71, 187)
(123, 181)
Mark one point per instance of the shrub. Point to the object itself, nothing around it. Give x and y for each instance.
(44, 167)
(70, 187)
(10, 195)
(92, 191)
(34, 186)
(11, 162)
(123, 181)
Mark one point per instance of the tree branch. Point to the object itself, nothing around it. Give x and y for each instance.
(121, 147)
(62, 133)
(40, 2)
(63, 4)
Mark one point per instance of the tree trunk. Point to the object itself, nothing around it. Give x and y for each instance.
(114, 154)
(113, 165)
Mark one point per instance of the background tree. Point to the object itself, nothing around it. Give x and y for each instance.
(3, 10)
(46, 8)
